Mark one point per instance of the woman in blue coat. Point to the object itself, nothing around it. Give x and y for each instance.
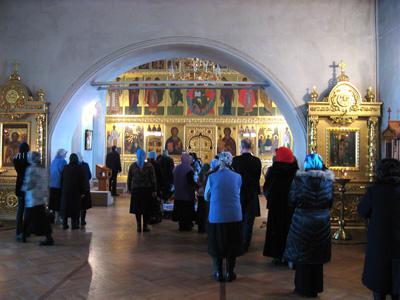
(225, 217)
(308, 244)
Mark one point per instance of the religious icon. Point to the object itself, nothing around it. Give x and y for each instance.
(153, 97)
(174, 143)
(114, 96)
(287, 138)
(266, 108)
(226, 99)
(247, 99)
(13, 136)
(88, 139)
(154, 143)
(114, 139)
(227, 143)
(133, 138)
(176, 107)
(200, 101)
(134, 99)
(342, 148)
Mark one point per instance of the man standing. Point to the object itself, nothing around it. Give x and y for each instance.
(113, 162)
(249, 167)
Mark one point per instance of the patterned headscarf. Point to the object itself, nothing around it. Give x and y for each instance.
(140, 158)
(313, 161)
(61, 153)
(225, 159)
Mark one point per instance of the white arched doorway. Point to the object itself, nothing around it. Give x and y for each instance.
(73, 113)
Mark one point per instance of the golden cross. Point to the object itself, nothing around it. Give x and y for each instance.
(15, 67)
(342, 66)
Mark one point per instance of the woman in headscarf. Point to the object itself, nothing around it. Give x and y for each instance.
(381, 206)
(184, 193)
(142, 184)
(308, 243)
(20, 164)
(225, 218)
(36, 193)
(87, 199)
(73, 187)
(277, 184)
(56, 167)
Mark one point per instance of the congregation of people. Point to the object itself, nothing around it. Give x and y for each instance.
(222, 198)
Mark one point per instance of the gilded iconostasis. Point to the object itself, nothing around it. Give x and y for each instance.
(191, 118)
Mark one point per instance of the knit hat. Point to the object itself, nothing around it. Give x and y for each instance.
(313, 161)
(284, 154)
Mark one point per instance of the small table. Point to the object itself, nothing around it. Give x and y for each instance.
(341, 234)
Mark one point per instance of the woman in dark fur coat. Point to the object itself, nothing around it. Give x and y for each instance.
(308, 244)
(277, 184)
(381, 205)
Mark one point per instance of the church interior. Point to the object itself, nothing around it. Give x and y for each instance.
(186, 77)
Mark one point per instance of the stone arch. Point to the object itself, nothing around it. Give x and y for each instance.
(69, 110)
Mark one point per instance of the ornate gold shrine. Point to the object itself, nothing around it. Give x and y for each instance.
(343, 129)
(23, 118)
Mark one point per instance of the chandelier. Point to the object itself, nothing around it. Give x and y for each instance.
(194, 69)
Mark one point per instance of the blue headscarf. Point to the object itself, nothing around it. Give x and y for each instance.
(140, 158)
(152, 154)
(313, 161)
(214, 164)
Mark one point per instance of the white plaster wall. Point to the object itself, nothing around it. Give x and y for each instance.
(295, 40)
(389, 57)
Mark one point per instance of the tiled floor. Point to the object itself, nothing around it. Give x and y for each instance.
(109, 260)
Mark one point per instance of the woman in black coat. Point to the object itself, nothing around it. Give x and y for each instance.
(87, 199)
(72, 190)
(277, 184)
(381, 206)
(308, 244)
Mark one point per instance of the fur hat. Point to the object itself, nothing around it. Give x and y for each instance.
(284, 154)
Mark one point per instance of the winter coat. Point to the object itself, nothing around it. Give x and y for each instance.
(381, 205)
(249, 167)
(56, 168)
(87, 199)
(73, 184)
(141, 178)
(278, 181)
(35, 186)
(223, 192)
(20, 164)
(113, 161)
(309, 238)
(184, 183)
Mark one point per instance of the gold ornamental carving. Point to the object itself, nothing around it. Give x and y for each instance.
(312, 125)
(372, 147)
(343, 120)
(23, 118)
(344, 98)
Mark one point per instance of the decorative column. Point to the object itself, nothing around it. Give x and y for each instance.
(372, 147)
(312, 133)
(41, 136)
